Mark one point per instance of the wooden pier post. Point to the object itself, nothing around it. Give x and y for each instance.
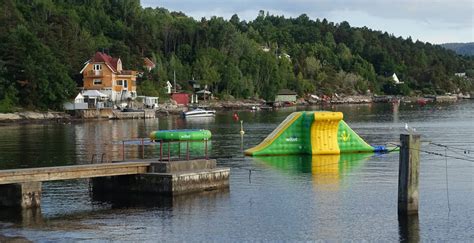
(408, 174)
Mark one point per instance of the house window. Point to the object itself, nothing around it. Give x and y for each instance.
(97, 67)
(97, 81)
(119, 82)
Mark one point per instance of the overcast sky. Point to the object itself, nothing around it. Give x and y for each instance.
(434, 21)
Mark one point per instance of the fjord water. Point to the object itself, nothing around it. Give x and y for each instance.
(303, 198)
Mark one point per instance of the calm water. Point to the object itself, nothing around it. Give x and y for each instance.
(304, 198)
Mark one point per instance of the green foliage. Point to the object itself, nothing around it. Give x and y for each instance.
(44, 44)
(149, 88)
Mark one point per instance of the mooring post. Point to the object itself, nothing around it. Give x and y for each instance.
(408, 174)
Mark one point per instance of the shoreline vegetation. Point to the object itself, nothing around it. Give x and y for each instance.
(171, 108)
(45, 47)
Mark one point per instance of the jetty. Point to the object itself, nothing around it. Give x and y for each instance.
(21, 188)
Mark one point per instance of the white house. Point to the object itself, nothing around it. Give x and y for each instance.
(168, 87)
(395, 79)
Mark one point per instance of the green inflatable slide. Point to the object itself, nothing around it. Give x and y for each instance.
(315, 133)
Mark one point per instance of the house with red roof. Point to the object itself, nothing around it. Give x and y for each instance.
(148, 64)
(106, 74)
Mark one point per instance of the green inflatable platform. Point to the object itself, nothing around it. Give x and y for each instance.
(181, 135)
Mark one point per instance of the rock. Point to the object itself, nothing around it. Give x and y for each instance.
(9, 116)
(31, 115)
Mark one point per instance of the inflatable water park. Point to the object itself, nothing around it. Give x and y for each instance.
(314, 133)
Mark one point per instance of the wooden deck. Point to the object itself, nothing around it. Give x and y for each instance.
(72, 172)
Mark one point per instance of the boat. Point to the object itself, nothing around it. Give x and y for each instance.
(199, 113)
(180, 135)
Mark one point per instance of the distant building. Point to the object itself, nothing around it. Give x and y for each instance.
(395, 79)
(148, 64)
(105, 74)
(168, 87)
(180, 98)
(265, 48)
(460, 74)
(285, 95)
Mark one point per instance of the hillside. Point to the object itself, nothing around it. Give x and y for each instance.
(45, 43)
(465, 49)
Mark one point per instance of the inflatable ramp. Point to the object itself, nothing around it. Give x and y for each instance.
(313, 133)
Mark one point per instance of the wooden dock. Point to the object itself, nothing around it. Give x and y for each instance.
(72, 172)
(22, 187)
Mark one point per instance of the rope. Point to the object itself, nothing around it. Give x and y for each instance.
(469, 159)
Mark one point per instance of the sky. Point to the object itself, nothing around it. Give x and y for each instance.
(434, 21)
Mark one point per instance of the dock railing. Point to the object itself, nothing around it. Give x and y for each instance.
(165, 151)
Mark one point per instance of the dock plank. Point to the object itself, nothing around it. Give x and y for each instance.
(72, 172)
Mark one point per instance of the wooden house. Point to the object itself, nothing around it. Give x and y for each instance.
(106, 74)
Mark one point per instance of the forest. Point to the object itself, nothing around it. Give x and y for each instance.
(45, 43)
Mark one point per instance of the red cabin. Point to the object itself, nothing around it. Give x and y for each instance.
(180, 98)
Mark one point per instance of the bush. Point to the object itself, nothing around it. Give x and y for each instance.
(6, 106)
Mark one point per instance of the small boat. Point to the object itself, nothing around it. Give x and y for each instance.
(199, 113)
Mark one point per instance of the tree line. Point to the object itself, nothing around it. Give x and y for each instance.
(44, 44)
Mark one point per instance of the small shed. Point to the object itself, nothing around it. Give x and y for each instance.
(78, 103)
(285, 95)
(79, 98)
(204, 94)
(180, 98)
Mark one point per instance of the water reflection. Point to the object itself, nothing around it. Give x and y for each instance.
(395, 111)
(23, 217)
(140, 200)
(409, 228)
(326, 170)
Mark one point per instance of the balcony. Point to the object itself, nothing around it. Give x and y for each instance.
(94, 73)
(128, 73)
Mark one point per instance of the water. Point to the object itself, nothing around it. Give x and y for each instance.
(347, 198)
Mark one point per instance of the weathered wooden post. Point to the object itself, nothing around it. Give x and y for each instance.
(408, 174)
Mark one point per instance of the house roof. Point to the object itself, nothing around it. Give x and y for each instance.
(102, 57)
(94, 93)
(111, 62)
(286, 92)
(149, 63)
(79, 96)
(203, 92)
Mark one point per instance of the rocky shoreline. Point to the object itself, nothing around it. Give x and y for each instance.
(171, 108)
(26, 116)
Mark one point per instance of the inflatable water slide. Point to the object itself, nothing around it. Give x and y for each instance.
(315, 133)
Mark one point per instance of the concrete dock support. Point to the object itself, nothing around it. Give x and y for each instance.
(169, 178)
(409, 171)
(21, 195)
